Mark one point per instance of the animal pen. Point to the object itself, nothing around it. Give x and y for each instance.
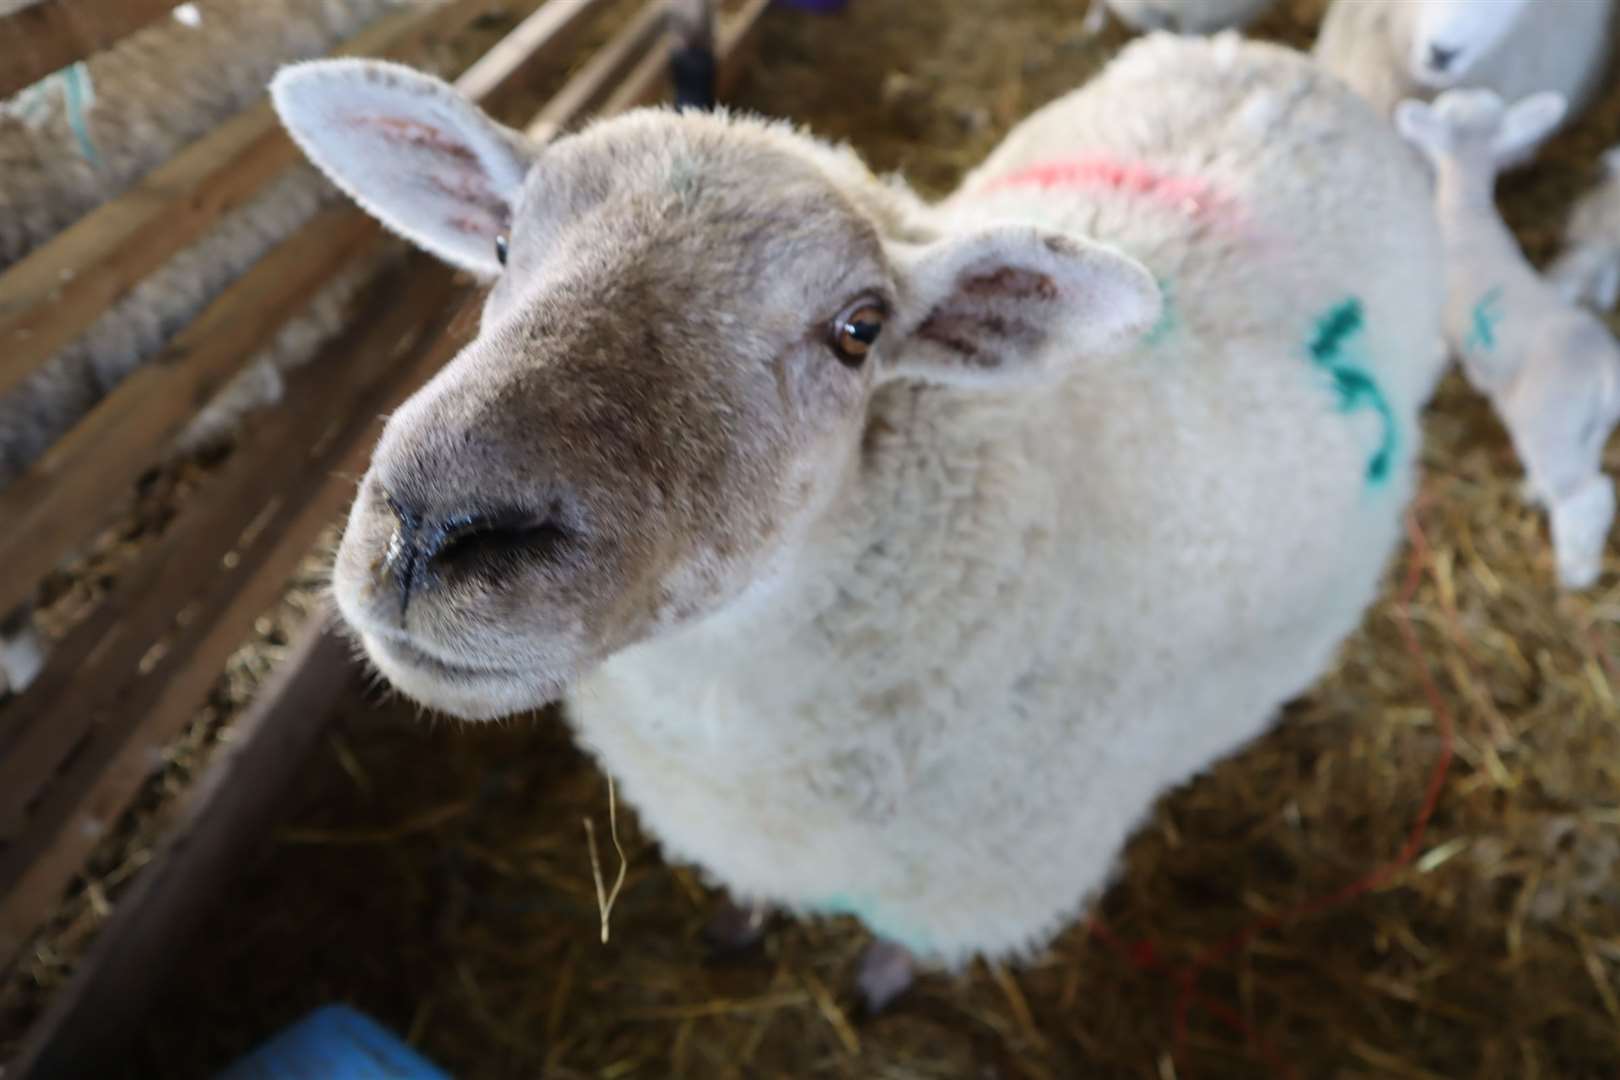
(1332, 901)
(121, 684)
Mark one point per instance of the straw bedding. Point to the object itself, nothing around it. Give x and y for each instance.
(439, 876)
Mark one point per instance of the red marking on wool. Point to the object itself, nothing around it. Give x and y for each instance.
(1145, 957)
(1186, 193)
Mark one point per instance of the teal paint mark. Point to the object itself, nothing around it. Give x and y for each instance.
(1487, 315)
(868, 914)
(1167, 318)
(80, 95)
(1335, 349)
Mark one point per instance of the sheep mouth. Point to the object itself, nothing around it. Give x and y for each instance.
(472, 692)
(407, 653)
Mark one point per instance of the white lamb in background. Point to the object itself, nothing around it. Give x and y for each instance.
(896, 558)
(1551, 369)
(154, 92)
(1179, 16)
(1588, 269)
(1391, 50)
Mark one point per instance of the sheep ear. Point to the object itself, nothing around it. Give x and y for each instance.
(1420, 124)
(1016, 304)
(408, 148)
(1527, 123)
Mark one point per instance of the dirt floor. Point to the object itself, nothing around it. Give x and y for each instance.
(438, 877)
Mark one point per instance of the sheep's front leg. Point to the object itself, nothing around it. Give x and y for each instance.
(735, 927)
(886, 971)
(1580, 531)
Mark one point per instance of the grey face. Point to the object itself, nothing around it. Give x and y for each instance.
(688, 316)
(654, 398)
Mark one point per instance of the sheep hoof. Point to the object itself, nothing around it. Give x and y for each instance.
(735, 928)
(885, 973)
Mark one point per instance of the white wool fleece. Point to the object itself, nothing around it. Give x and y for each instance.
(1037, 609)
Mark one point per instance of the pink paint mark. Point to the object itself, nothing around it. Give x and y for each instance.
(1188, 194)
(399, 129)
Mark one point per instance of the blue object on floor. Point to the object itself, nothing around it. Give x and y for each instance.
(334, 1043)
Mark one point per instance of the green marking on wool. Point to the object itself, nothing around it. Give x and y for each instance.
(866, 912)
(1335, 349)
(1487, 315)
(1167, 317)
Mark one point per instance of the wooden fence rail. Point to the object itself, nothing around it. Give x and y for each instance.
(70, 491)
(76, 747)
(52, 34)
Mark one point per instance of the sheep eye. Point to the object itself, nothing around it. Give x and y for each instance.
(856, 331)
(500, 249)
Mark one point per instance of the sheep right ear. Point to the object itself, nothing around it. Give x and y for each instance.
(413, 152)
(1012, 304)
(1527, 123)
(1420, 124)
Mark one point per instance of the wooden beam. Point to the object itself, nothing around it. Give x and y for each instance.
(52, 34)
(223, 816)
(648, 82)
(75, 485)
(65, 494)
(594, 83)
(49, 298)
(738, 35)
(82, 1031)
(88, 673)
(86, 796)
(545, 35)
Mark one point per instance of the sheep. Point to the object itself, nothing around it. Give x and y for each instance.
(1180, 16)
(893, 558)
(1551, 369)
(1390, 50)
(155, 91)
(1588, 269)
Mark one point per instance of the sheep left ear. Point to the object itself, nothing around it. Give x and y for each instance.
(1527, 122)
(412, 151)
(1015, 304)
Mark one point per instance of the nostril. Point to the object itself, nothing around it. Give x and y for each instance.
(1440, 57)
(464, 538)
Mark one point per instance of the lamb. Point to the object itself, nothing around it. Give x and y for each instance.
(893, 557)
(1390, 50)
(1588, 270)
(1180, 16)
(1551, 369)
(156, 91)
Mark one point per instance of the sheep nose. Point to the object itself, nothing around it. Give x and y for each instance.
(1440, 57)
(425, 547)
